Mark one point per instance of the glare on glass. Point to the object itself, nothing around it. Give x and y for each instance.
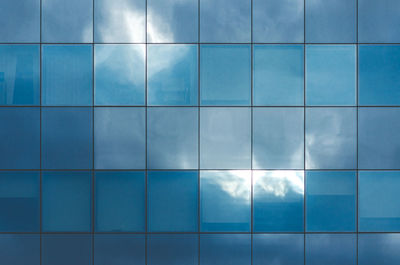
(375, 248)
(20, 249)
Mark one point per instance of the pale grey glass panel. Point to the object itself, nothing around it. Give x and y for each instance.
(378, 249)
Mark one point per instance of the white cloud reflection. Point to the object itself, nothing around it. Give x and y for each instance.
(278, 183)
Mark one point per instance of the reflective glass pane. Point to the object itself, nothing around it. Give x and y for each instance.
(225, 77)
(278, 201)
(20, 249)
(172, 74)
(225, 201)
(66, 249)
(119, 74)
(378, 249)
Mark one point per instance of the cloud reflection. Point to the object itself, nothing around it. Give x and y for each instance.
(279, 183)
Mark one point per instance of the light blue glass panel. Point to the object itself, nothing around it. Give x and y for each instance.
(66, 201)
(225, 138)
(67, 21)
(378, 249)
(278, 138)
(172, 138)
(20, 249)
(172, 201)
(225, 77)
(119, 21)
(278, 75)
(331, 75)
(331, 201)
(172, 74)
(19, 74)
(67, 75)
(66, 249)
(225, 203)
(331, 138)
(379, 78)
(278, 201)
(378, 195)
(19, 201)
(119, 141)
(278, 21)
(119, 74)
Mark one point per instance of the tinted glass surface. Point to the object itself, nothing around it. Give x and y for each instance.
(20, 249)
(378, 249)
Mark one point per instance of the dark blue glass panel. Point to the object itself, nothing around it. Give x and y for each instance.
(119, 74)
(172, 138)
(119, 249)
(225, 138)
(278, 21)
(20, 249)
(331, 249)
(19, 201)
(67, 138)
(225, 203)
(66, 201)
(67, 75)
(19, 74)
(379, 78)
(120, 201)
(67, 21)
(278, 201)
(173, 249)
(278, 138)
(331, 201)
(378, 195)
(287, 249)
(119, 139)
(225, 77)
(172, 211)
(20, 134)
(172, 74)
(378, 249)
(278, 75)
(331, 75)
(378, 138)
(225, 249)
(66, 249)
(331, 138)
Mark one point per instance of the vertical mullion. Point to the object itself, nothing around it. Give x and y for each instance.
(93, 110)
(146, 144)
(304, 132)
(198, 132)
(251, 128)
(40, 136)
(357, 103)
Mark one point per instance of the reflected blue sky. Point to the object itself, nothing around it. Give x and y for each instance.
(375, 248)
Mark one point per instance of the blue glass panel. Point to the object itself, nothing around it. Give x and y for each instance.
(225, 77)
(119, 74)
(278, 75)
(278, 138)
(172, 74)
(119, 249)
(331, 21)
(19, 201)
(287, 249)
(379, 79)
(225, 138)
(331, 201)
(331, 138)
(19, 74)
(67, 21)
(119, 21)
(119, 141)
(20, 249)
(225, 201)
(67, 75)
(66, 249)
(172, 211)
(331, 249)
(378, 249)
(225, 21)
(20, 134)
(378, 195)
(173, 249)
(66, 138)
(66, 201)
(225, 249)
(331, 75)
(278, 21)
(278, 201)
(120, 201)
(172, 21)
(172, 138)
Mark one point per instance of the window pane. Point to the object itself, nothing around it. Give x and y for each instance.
(119, 74)
(278, 201)
(66, 249)
(225, 201)
(172, 74)
(67, 75)
(225, 76)
(20, 249)
(378, 248)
